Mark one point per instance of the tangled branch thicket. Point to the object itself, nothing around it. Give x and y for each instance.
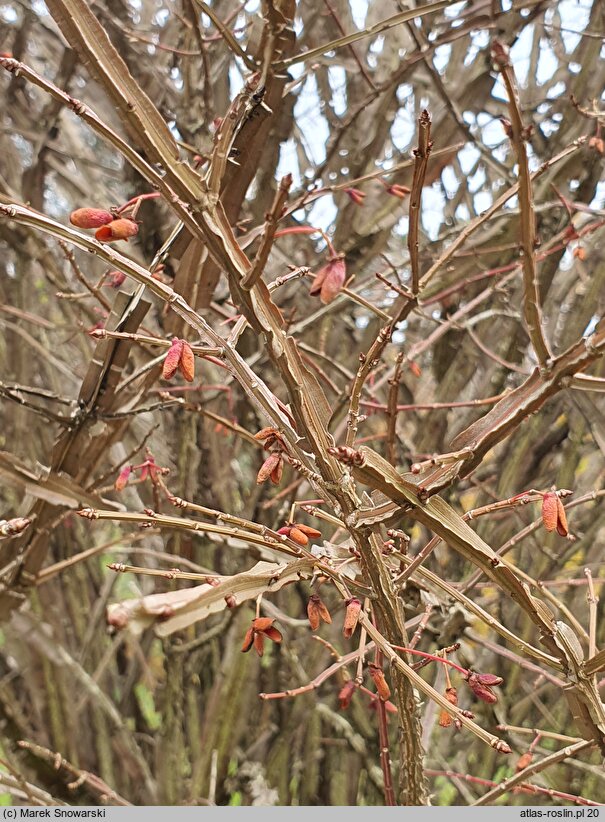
(302, 357)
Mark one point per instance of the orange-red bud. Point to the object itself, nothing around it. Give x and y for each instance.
(115, 279)
(298, 536)
(316, 611)
(345, 694)
(187, 362)
(312, 533)
(445, 719)
(524, 761)
(351, 617)
(122, 479)
(356, 195)
(179, 357)
(553, 514)
(268, 467)
(382, 687)
(255, 635)
(277, 472)
(120, 229)
(398, 191)
(264, 433)
(415, 368)
(329, 279)
(172, 359)
(480, 688)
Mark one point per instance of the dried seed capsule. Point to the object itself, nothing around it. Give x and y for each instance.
(172, 359)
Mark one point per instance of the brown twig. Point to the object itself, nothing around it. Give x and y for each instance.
(536, 767)
(421, 159)
(518, 135)
(266, 240)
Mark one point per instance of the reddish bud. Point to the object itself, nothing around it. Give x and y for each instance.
(579, 252)
(508, 127)
(562, 528)
(261, 627)
(351, 616)
(268, 466)
(445, 719)
(398, 191)
(489, 679)
(316, 611)
(329, 279)
(12, 527)
(262, 623)
(382, 687)
(120, 229)
(415, 368)
(118, 617)
(90, 217)
(277, 472)
(346, 694)
(173, 358)
(187, 362)
(356, 195)
(597, 144)
(115, 279)
(230, 601)
(122, 479)
(553, 514)
(480, 689)
(248, 640)
(264, 433)
(259, 643)
(298, 536)
(312, 533)
(524, 761)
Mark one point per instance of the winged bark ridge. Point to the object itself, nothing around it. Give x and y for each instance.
(205, 247)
